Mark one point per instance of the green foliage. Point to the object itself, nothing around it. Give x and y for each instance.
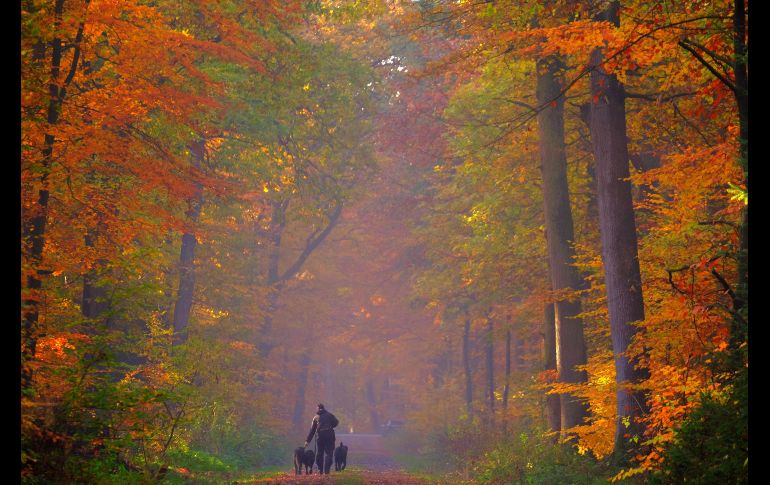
(529, 458)
(711, 445)
(75, 468)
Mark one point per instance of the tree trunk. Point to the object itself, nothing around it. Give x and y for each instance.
(275, 279)
(94, 301)
(552, 401)
(739, 330)
(618, 237)
(299, 401)
(490, 361)
(374, 416)
(33, 232)
(571, 347)
(186, 290)
(506, 388)
(467, 365)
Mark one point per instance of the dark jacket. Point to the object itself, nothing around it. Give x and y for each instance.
(323, 421)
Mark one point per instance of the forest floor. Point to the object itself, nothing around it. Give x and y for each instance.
(347, 477)
(369, 463)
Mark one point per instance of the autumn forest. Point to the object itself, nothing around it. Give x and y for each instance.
(503, 241)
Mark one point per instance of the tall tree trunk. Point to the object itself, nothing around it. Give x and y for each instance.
(552, 401)
(467, 365)
(299, 401)
(739, 330)
(184, 298)
(276, 279)
(274, 234)
(490, 361)
(94, 302)
(33, 231)
(618, 237)
(507, 387)
(571, 347)
(371, 399)
(518, 352)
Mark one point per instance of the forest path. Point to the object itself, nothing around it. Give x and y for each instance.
(347, 477)
(368, 463)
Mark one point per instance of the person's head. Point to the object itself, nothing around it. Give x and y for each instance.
(320, 406)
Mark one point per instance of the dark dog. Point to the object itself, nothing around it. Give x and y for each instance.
(299, 460)
(340, 457)
(303, 457)
(309, 459)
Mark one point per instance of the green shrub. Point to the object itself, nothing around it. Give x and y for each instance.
(529, 458)
(711, 445)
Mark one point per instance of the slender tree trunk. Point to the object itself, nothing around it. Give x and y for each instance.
(518, 352)
(94, 302)
(552, 401)
(299, 401)
(467, 365)
(490, 361)
(275, 234)
(184, 299)
(618, 237)
(275, 278)
(371, 399)
(571, 347)
(507, 387)
(739, 330)
(33, 232)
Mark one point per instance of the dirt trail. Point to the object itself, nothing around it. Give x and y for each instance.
(347, 477)
(369, 463)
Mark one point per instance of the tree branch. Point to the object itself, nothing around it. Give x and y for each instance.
(712, 54)
(671, 278)
(312, 244)
(712, 69)
(76, 54)
(728, 289)
(658, 98)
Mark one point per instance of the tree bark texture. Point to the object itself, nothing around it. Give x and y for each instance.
(618, 237)
(570, 342)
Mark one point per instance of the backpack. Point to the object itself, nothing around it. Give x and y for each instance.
(327, 419)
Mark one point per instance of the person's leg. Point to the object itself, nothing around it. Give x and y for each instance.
(329, 454)
(319, 457)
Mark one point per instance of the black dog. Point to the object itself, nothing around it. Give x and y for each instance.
(309, 459)
(303, 457)
(340, 457)
(299, 460)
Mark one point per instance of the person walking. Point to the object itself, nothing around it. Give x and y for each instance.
(324, 423)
